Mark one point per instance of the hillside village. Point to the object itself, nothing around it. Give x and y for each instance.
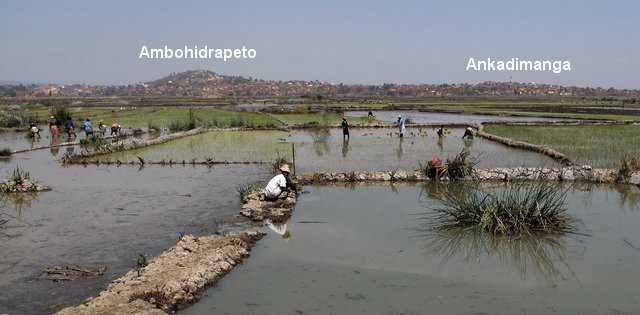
(204, 83)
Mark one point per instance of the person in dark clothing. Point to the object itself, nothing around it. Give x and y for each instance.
(370, 116)
(468, 133)
(345, 129)
(440, 132)
(69, 126)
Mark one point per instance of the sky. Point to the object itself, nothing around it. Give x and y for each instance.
(366, 42)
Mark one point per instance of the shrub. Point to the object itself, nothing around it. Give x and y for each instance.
(17, 119)
(518, 209)
(4, 152)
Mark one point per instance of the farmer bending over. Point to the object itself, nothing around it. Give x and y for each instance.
(279, 184)
(468, 133)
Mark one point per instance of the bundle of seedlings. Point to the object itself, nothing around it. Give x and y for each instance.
(458, 167)
(20, 181)
(627, 166)
(518, 209)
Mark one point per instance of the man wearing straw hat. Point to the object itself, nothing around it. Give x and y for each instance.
(278, 184)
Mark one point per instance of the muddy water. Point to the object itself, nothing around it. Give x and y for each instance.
(325, 149)
(363, 250)
(442, 118)
(103, 216)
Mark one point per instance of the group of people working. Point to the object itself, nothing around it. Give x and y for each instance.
(69, 127)
(401, 124)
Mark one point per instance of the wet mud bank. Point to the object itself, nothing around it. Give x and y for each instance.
(572, 173)
(256, 208)
(173, 279)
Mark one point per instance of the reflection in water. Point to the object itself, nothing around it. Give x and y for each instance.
(468, 144)
(544, 252)
(345, 147)
(321, 141)
(628, 195)
(441, 145)
(19, 202)
(399, 151)
(55, 144)
(279, 228)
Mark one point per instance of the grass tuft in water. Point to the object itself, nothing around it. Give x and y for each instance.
(5, 152)
(518, 209)
(19, 175)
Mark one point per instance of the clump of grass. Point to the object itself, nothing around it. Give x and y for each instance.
(455, 168)
(627, 166)
(19, 175)
(5, 152)
(247, 189)
(519, 209)
(151, 127)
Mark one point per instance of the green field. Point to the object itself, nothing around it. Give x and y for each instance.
(600, 146)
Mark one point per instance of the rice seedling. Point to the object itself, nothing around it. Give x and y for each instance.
(518, 209)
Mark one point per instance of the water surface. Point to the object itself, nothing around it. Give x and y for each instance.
(363, 250)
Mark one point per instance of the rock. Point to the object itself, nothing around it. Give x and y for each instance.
(634, 178)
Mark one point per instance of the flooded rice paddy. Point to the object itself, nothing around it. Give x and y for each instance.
(364, 250)
(103, 216)
(325, 149)
(442, 118)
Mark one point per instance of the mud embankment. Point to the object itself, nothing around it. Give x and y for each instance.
(172, 280)
(256, 208)
(570, 173)
(525, 146)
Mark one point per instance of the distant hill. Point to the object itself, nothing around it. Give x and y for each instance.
(205, 83)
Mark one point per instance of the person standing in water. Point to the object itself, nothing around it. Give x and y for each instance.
(401, 127)
(88, 127)
(440, 132)
(345, 129)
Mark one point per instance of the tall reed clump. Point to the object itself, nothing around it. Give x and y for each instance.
(627, 166)
(518, 209)
(457, 167)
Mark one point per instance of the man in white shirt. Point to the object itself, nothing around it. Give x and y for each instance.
(277, 184)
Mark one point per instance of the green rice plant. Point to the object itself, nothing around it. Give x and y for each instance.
(518, 209)
(245, 190)
(5, 152)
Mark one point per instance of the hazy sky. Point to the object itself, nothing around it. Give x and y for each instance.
(337, 41)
